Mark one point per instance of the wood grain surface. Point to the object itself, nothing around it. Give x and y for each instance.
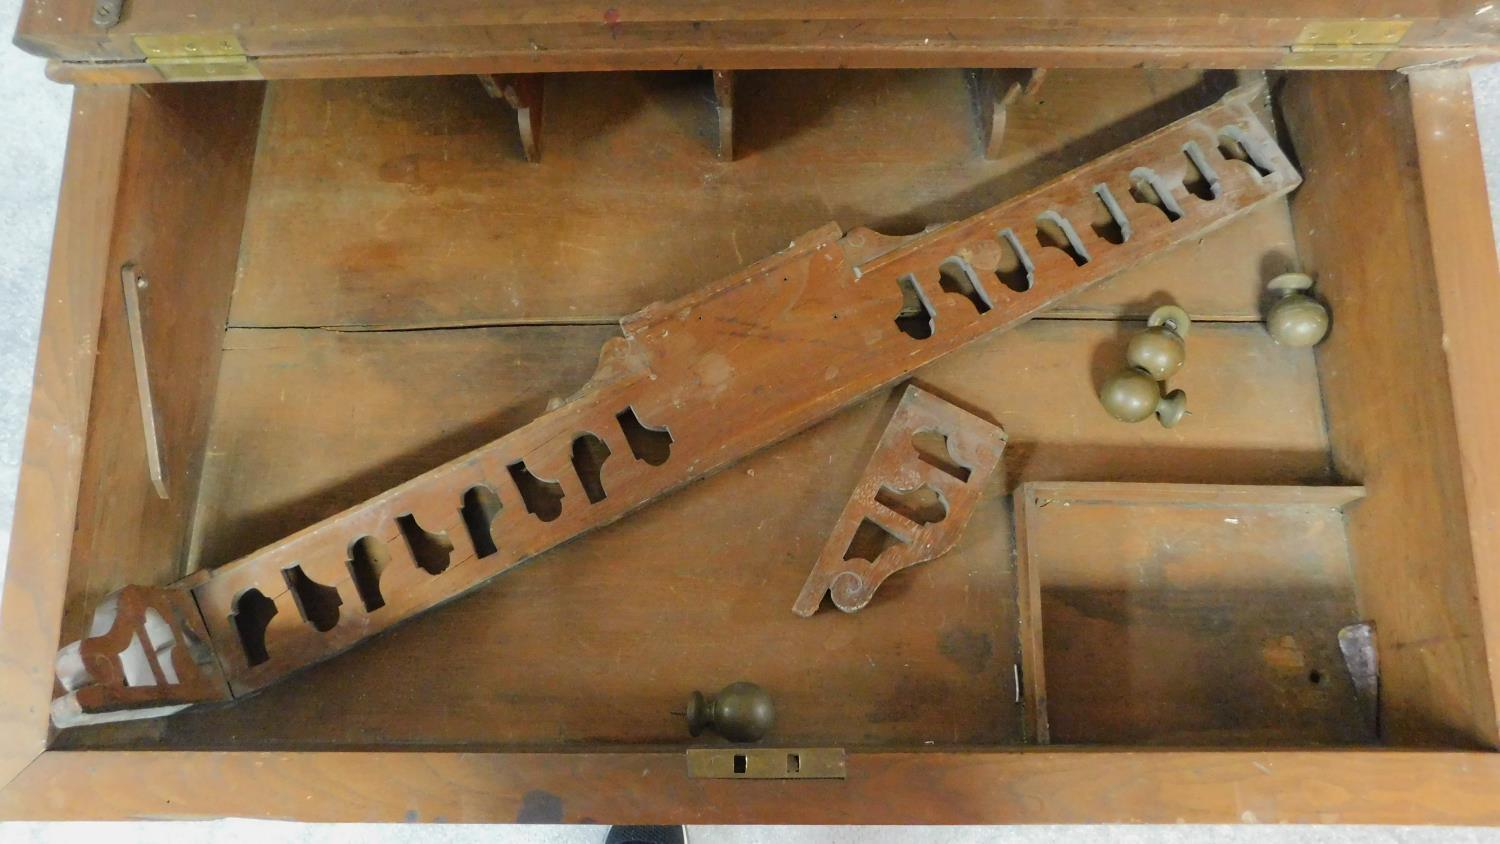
(1364, 227)
(402, 203)
(1257, 419)
(1467, 270)
(178, 220)
(36, 573)
(315, 39)
(1176, 615)
(936, 787)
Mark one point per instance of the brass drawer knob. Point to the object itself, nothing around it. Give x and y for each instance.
(1161, 349)
(1296, 319)
(1153, 356)
(739, 712)
(1132, 395)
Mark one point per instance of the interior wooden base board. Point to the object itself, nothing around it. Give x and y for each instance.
(692, 386)
(911, 505)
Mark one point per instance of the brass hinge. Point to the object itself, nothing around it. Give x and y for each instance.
(191, 58)
(766, 763)
(1348, 44)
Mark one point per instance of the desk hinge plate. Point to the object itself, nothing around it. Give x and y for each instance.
(1348, 44)
(191, 58)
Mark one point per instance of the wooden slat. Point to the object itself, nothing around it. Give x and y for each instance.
(1366, 787)
(402, 203)
(1179, 615)
(1369, 238)
(740, 543)
(53, 455)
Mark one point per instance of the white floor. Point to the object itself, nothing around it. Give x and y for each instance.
(33, 125)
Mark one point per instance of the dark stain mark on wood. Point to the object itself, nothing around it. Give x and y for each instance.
(538, 806)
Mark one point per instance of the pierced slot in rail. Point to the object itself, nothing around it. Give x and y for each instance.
(430, 550)
(916, 317)
(956, 275)
(1015, 269)
(367, 561)
(1147, 188)
(543, 498)
(1053, 231)
(1112, 225)
(1200, 180)
(480, 509)
(252, 614)
(1235, 145)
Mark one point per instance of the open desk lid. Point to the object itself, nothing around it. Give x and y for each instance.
(155, 40)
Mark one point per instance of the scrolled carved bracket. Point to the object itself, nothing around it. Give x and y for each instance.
(147, 654)
(917, 493)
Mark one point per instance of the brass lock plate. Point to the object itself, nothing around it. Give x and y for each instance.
(766, 763)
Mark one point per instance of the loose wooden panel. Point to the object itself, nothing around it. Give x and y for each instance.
(36, 570)
(1192, 615)
(1375, 787)
(555, 652)
(405, 202)
(182, 195)
(1368, 239)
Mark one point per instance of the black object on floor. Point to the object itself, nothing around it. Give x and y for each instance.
(646, 835)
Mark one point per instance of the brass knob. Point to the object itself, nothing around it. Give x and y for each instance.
(1132, 395)
(739, 712)
(1296, 319)
(1161, 349)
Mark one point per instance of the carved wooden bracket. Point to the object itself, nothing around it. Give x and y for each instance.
(995, 92)
(147, 654)
(700, 382)
(911, 504)
(523, 91)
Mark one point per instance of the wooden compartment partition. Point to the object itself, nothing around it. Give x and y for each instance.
(353, 281)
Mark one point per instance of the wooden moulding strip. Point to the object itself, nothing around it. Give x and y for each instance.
(697, 383)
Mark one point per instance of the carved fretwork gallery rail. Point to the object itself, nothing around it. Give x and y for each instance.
(692, 386)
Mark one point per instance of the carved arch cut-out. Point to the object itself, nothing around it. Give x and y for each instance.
(932, 449)
(368, 558)
(319, 604)
(252, 614)
(542, 498)
(648, 444)
(480, 509)
(431, 551)
(589, 454)
(916, 317)
(957, 276)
